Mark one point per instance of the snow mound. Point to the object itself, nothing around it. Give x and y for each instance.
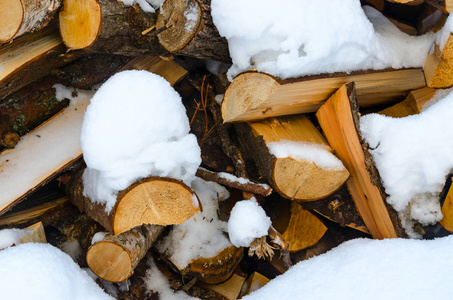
(135, 127)
(247, 221)
(293, 38)
(42, 272)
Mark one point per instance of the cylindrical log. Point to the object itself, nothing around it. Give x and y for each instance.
(108, 26)
(115, 257)
(295, 178)
(154, 200)
(189, 30)
(20, 16)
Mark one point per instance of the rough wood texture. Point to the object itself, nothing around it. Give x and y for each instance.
(254, 282)
(30, 58)
(195, 36)
(304, 229)
(293, 178)
(339, 121)
(158, 201)
(108, 26)
(254, 96)
(447, 211)
(439, 66)
(115, 257)
(20, 16)
(411, 105)
(229, 289)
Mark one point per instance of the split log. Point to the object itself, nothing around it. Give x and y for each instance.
(33, 104)
(189, 30)
(254, 282)
(304, 229)
(30, 58)
(431, 19)
(115, 257)
(295, 178)
(107, 26)
(339, 121)
(404, 26)
(412, 105)
(445, 5)
(158, 201)
(439, 66)
(378, 4)
(35, 234)
(447, 210)
(229, 289)
(253, 96)
(232, 181)
(20, 16)
(407, 2)
(62, 130)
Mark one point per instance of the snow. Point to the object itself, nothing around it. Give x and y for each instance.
(191, 15)
(148, 6)
(73, 249)
(9, 237)
(33, 156)
(290, 40)
(247, 222)
(203, 234)
(241, 180)
(413, 156)
(315, 153)
(369, 269)
(135, 127)
(41, 271)
(98, 236)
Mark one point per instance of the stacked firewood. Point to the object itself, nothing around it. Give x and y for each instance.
(81, 44)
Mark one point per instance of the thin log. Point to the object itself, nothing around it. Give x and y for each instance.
(439, 66)
(254, 96)
(108, 26)
(232, 181)
(338, 118)
(189, 30)
(158, 201)
(294, 178)
(21, 16)
(115, 257)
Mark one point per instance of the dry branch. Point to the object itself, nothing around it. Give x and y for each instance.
(339, 121)
(254, 96)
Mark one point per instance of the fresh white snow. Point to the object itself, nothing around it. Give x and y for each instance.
(413, 156)
(315, 153)
(203, 235)
(135, 126)
(43, 272)
(369, 269)
(247, 222)
(9, 237)
(293, 38)
(148, 6)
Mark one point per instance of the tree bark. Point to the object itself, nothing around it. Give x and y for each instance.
(21, 16)
(189, 30)
(158, 201)
(115, 257)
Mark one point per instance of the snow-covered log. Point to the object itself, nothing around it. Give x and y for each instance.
(115, 257)
(158, 201)
(338, 118)
(189, 30)
(253, 96)
(294, 157)
(21, 16)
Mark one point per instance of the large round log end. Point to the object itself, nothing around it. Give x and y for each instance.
(11, 19)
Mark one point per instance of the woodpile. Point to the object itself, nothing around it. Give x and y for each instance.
(313, 208)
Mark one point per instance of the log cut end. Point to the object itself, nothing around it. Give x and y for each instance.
(248, 91)
(11, 18)
(180, 19)
(115, 265)
(80, 23)
(438, 66)
(158, 201)
(298, 179)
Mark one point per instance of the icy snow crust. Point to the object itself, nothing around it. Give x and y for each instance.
(413, 156)
(293, 38)
(135, 126)
(369, 269)
(42, 272)
(247, 222)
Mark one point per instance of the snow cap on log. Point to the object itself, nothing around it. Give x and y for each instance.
(135, 127)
